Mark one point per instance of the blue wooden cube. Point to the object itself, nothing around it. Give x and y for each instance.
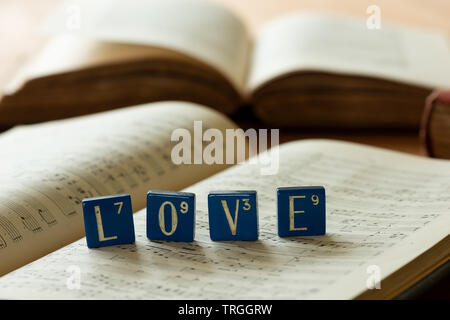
(233, 215)
(170, 216)
(301, 211)
(108, 220)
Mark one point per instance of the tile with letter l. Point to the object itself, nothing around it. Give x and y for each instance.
(170, 215)
(301, 211)
(108, 220)
(233, 215)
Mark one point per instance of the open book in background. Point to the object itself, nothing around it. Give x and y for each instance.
(300, 70)
(383, 208)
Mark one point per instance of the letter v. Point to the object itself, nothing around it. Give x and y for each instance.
(231, 223)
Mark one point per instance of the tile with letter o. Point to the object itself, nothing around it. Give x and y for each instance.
(108, 220)
(301, 211)
(170, 216)
(233, 215)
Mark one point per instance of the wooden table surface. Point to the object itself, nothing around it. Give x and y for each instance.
(20, 40)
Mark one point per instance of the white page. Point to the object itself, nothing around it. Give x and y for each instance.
(47, 169)
(307, 41)
(379, 203)
(201, 29)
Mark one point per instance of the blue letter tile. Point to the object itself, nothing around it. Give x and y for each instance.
(301, 211)
(108, 220)
(233, 215)
(170, 216)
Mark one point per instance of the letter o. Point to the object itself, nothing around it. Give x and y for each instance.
(174, 218)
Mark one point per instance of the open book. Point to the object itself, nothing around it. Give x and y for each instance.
(384, 209)
(304, 69)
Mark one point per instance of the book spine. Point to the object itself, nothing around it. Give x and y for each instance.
(430, 103)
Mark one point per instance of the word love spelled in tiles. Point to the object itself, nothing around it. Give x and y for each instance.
(233, 216)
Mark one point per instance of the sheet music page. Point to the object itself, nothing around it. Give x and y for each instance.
(47, 169)
(201, 29)
(379, 203)
(308, 41)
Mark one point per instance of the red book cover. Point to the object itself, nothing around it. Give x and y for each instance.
(438, 96)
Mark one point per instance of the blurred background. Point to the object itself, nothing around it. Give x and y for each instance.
(19, 20)
(19, 40)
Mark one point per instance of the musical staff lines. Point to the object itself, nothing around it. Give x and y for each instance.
(10, 229)
(23, 214)
(3, 243)
(36, 205)
(83, 173)
(56, 196)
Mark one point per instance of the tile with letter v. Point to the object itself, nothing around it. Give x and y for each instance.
(233, 215)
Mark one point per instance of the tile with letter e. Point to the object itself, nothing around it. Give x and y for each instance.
(108, 220)
(301, 211)
(233, 215)
(170, 216)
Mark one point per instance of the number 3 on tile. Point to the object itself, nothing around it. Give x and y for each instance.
(247, 205)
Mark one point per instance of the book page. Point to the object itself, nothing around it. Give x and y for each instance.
(47, 169)
(200, 29)
(307, 41)
(380, 205)
(66, 53)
